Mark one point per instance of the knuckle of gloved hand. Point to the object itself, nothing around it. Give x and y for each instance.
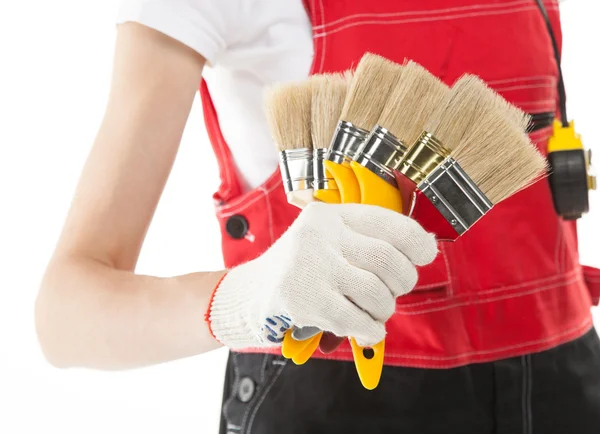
(385, 255)
(378, 300)
(370, 334)
(407, 280)
(422, 245)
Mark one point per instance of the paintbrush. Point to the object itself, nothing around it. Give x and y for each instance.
(411, 103)
(456, 164)
(328, 95)
(288, 109)
(366, 97)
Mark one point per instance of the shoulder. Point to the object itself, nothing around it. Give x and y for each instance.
(211, 27)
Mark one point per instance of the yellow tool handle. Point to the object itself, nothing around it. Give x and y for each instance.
(373, 191)
(348, 192)
(346, 182)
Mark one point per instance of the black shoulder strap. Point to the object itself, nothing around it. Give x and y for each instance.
(562, 96)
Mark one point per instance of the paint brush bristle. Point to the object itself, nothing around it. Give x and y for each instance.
(496, 153)
(453, 117)
(369, 88)
(288, 109)
(514, 114)
(412, 102)
(328, 95)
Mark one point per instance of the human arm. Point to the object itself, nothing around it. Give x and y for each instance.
(92, 309)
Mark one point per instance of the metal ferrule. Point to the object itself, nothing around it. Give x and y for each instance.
(346, 143)
(321, 181)
(380, 152)
(296, 166)
(422, 157)
(455, 195)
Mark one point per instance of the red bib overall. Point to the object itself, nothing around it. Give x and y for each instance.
(513, 284)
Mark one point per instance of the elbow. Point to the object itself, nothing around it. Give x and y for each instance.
(50, 333)
(55, 320)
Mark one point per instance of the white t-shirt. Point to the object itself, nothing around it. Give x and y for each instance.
(248, 45)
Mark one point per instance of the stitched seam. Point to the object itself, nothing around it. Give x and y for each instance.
(552, 337)
(524, 86)
(234, 386)
(557, 247)
(504, 288)
(421, 12)
(264, 368)
(255, 196)
(432, 285)
(323, 43)
(537, 101)
(550, 78)
(269, 213)
(262, 398)
(220, 149)
(427, 19)
(448, 272)
(487, 300)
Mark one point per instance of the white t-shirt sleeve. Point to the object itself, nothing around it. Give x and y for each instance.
(206, 26)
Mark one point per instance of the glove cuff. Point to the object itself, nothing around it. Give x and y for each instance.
(227, 314)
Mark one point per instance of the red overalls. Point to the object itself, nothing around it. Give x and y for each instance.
(513, 284)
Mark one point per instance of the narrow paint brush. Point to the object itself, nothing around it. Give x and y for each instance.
(288, 109)
(328, 95)
(366, 97)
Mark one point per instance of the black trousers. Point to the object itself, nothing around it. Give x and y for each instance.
(555, 391)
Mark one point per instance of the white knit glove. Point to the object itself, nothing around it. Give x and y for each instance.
(338, 268)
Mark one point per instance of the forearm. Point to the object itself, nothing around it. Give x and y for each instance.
(91, 315)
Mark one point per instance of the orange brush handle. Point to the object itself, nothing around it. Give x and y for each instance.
(374, 191)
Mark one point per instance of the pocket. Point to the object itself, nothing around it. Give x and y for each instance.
(252, 222)
(592, 281)
(253, 377)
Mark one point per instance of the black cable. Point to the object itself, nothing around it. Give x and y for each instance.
(562, 95)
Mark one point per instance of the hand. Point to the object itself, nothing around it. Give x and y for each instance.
(338, 267)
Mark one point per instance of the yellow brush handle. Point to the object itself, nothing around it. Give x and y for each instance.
(369, 370)
(374, 191)
(292, 348)
(346, 182)
(313, 343)
(348, 192)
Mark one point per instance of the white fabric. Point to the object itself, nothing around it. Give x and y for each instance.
(338, 268)
(249, 44)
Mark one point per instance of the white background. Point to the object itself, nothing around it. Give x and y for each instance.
(55, 62)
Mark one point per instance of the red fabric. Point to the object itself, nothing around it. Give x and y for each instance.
(513, 283)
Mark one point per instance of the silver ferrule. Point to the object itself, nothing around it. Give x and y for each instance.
(346, 143)
(380, 152)
(455, 195)
(296, 166)
(321, 180)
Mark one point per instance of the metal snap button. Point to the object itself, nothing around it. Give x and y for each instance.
(246, 389)
(237, 226)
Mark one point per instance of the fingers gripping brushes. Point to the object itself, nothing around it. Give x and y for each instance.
(338, 268)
